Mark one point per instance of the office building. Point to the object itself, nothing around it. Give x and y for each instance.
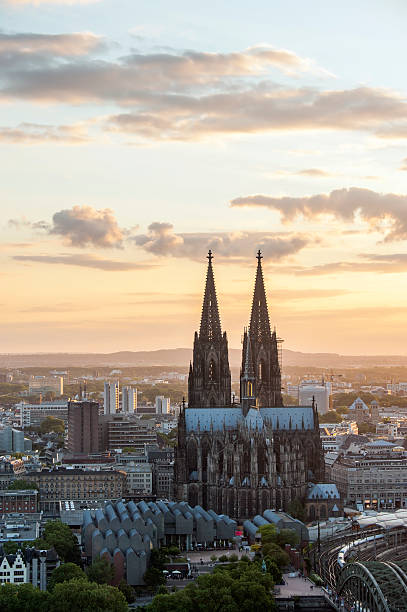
(162, 405)
(139, 479)
(83, 427)
(111, 397)
(21, 501)
(72, 484)
(126, 430)
(129, 400)
(13, 441)
(32, 415)
(376, 480)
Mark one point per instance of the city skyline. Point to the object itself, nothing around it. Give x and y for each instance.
(132, 142)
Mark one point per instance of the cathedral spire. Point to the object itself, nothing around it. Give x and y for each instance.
(259, 320)
(209, 381)
(210, 329)
(263, 347)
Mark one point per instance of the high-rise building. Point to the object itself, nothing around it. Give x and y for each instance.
(13, 441)
(83, 427)
(111, 397)
(46, 384)
(162, 405)
(129, 400)
(320, 394)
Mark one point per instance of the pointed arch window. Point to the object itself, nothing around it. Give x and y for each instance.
(212, 371)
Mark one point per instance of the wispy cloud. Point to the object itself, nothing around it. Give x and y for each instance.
(31, 133)
(376, 264)
(28, 44)
(383, 211)
(84, 261)
(314, 172)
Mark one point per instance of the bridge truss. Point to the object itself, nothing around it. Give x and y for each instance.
(374, 586)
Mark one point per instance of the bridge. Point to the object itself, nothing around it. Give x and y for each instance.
(374, 586)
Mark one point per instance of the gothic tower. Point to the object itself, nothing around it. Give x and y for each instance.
(209, 382)
(261, 344)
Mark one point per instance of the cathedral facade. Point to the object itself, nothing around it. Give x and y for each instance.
(241, 459)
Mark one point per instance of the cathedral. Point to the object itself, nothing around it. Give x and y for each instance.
(241, 459)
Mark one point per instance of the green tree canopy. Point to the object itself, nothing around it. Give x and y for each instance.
(65, 572)
(84, 596)
(20, 484)
(58, 535)
(277, 554)
(238, 587)
(268, 534)
(287, 536)
(50, 424)
(101, 572)
(330, 417)
(22, 598)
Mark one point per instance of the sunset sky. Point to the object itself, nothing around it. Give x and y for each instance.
(136, 134)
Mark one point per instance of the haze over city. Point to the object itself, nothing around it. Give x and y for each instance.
(137, 135)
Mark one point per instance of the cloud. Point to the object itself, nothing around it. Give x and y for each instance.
(383, 211)
(377, 264)
(403, 164)
(30, 133)
(161, 240)
(189, 95)
(84, 225)
(84, 261)
(313, 172)
(27, 44)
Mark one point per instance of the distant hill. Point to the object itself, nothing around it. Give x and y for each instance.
(182, 356)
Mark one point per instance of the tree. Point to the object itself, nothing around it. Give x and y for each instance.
(241, 587)
(52, 424)
(296, 509)
(58, 535)
(154, 575)
(287, 536)
(268, 534)
(86, 597)
(127, 590)
(20, 484)
(277, 554)
(64, 573)
(273, 569)
(331, 417)
(22, 598)
(101, 572)
(364, 428)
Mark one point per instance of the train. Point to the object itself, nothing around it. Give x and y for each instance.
(343, 553)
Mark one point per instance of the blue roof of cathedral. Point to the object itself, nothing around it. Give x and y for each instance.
(231, 417)
(297, 414)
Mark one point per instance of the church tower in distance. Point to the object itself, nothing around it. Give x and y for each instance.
(261, 344)
(209, 382)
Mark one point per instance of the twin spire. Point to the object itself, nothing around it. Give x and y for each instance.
(259, 319)
(210, 329)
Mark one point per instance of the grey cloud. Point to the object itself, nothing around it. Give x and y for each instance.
(161, 240)
(81, 226)
(344, 204)
(26, 44)
(190, 95)
(84, 261)
(84, 225)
